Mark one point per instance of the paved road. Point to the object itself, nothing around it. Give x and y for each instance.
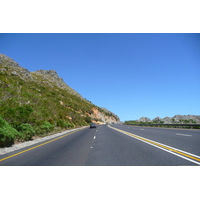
(112, 145)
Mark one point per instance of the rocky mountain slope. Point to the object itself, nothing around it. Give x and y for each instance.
(47, 77)
(51, 78)
(39, 102)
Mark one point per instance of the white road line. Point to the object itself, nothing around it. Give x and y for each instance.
(169, 151)
(183, 134)
(94, 137)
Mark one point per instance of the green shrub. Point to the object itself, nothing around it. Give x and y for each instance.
(3, 123)
(45, 127)
(71, 125)
(7, 134)
(27, 131)
(63, 124)
(38, 131)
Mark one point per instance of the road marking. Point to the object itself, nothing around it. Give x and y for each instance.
(183, 134)
(142, 129)
(183, 154)
(94, 137)
(40, 145)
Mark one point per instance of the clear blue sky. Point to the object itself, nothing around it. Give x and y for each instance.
(132, 75)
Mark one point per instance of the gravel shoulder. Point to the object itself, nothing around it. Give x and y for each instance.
(15, 147)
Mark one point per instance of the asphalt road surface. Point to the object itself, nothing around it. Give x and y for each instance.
(112, 145)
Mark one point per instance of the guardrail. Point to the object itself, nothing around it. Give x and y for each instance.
(174, 125)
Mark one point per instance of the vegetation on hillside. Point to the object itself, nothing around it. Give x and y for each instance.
(29, 108)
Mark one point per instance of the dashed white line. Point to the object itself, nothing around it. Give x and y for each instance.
(182, 134)
(94, 137)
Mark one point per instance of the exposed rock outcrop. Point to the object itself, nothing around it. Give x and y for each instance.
(144, 119)
(117, 120)
(11, 67)
(51, 78)
(186, 117)
(167, 120)
(103, 117)
(7, 62)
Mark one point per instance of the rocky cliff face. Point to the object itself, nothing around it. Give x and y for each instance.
(11, 67)
(51, 78)
(104, 118)
(170, 120)
(117, 118)
(7, 62)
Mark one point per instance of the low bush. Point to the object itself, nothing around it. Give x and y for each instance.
(45, 127)
(7, 134)
(27, 132)
(63, 124)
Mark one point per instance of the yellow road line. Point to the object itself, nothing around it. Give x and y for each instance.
(39, 145)
(157, 144)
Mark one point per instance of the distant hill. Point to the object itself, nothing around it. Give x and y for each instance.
(35, 103)
(177, 119)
